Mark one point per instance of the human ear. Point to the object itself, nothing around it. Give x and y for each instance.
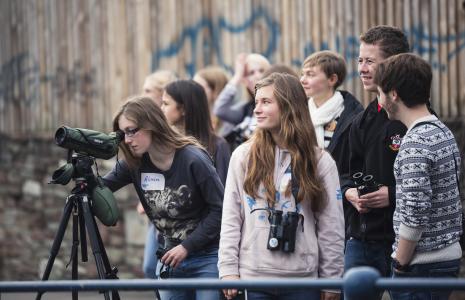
(394, 96)
(333, 79)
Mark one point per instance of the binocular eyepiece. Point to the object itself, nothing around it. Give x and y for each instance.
(283, 229)
(365, 183)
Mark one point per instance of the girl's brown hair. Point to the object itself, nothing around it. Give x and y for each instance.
(298, 135)
(148, 116)
(190, 97)
(216, 78)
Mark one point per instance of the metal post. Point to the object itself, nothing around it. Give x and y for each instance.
(359, 283)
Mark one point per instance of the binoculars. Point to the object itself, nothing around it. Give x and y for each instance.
(365, 183)
(283, 228)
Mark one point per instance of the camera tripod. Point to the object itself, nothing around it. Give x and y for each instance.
(78, 204)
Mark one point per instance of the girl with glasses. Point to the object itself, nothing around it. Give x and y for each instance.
(178, 187)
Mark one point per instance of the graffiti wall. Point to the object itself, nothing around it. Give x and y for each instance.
(73, 62)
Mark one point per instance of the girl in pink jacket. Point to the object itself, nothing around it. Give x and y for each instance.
(282, 210)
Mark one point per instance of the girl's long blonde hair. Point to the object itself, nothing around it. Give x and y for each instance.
(147, 115)
(298, 136)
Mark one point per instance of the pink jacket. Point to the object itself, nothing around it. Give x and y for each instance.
(243, 243)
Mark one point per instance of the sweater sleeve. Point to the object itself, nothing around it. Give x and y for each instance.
(118, 177)
(414, 187)
(222, 156)
(231, 224)
(330, 222)
(211, 190)
(225, 108)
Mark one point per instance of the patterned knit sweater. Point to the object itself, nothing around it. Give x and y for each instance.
(428, 208)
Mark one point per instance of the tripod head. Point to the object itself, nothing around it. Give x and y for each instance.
(82, 166)
(79, 168)
(83, 174)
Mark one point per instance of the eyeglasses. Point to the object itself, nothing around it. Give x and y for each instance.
(131, 132)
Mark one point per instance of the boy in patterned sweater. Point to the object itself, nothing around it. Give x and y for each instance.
(427, 218)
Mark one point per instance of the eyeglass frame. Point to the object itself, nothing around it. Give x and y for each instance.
(131, 132)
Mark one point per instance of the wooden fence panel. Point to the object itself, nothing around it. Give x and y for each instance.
(74, 62)
(459, 55)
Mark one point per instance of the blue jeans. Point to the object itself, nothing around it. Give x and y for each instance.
(446, 269)
(150, 260)
(372, 254)
(283, 294)
(200, 264)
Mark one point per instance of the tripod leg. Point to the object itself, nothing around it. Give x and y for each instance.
(74, 258)
(92, 231)
(110, 273)
(82, 231)
(57, 242)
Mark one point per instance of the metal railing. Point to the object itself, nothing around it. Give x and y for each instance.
(358, 283)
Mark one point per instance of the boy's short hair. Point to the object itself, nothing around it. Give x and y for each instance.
(330, 63)
(407, 74)
(391, 40)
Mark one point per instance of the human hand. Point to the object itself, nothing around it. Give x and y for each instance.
(330, 296)
(174, 256)
(352, 196)
(377, 199)
(239, 69)
(230, 293)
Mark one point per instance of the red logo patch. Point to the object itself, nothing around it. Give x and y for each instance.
(396, 140)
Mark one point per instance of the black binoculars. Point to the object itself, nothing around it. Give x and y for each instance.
(365, 183)
(283, 229)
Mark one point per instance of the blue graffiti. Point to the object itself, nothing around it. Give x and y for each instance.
(419, 35)
(21, 74)
(212, 43)
(190, 34)
(16, 76)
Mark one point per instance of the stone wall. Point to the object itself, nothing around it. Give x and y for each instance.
(30, 212)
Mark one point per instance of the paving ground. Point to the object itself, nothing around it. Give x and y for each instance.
(128, 296)
(82, 296)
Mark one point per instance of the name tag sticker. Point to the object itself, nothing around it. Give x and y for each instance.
(152, 181)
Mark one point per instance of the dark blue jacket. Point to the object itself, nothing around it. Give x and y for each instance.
(339, 144)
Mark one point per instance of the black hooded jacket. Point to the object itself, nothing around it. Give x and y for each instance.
(374, 142)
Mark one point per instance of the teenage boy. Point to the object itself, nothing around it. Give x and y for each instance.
(374, 143)
(427, 218)
(332, 110)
